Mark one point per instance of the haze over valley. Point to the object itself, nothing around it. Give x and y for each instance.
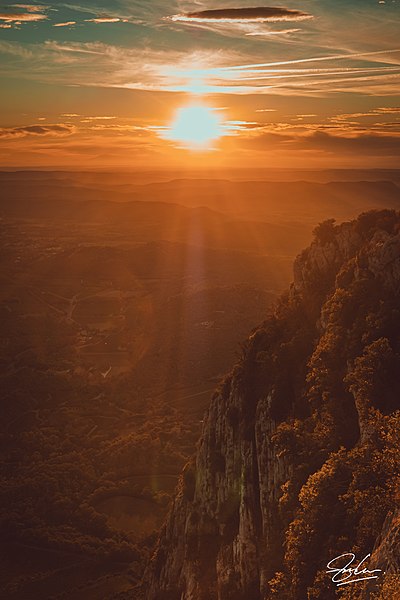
(199, 299)
(122, 306)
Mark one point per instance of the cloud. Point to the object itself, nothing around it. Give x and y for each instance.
(21, 17)
(106, 20)
(343, 56)
(373, 113)
(225, 71)
(66, 24)
(85, 48)
(242, 15)
(16, 50)
(107, 65)
(35, 130)
(266, 33)
(364, 143)
(101, 118)
(387, 110)
(296, 79)
(31, 7)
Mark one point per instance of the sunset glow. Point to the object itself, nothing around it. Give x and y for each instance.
(200, 277)
(130, 84)
(195, 127)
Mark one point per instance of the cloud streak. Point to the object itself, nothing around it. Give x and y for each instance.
(348, 56)
(269, 32)
(21, 17)
(241, 15)
(31, 7)
(36, 130)
(106, 19)
(202, 72)
(66, 24)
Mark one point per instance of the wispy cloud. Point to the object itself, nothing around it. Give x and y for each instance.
(21, 17)
(269, 32)
(129, 11)
(371, 114)
(36, 130)
(31, 7)
(387, 110)
(343, 56)
(98, 118)
(269, 78)
(317, 139)
(203, 72)
(88, 48)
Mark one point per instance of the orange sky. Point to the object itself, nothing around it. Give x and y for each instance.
(103, 84)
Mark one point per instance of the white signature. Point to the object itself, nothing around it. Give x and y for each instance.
(343, 573)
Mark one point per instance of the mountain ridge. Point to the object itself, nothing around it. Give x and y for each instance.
(298, 457)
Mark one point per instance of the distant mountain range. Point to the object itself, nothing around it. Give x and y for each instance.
(263, 216)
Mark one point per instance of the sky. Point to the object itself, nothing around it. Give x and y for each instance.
(157, 83)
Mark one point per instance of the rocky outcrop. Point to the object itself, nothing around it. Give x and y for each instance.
(386, 555)
(323, 261)
(223, 520)
(282, 435)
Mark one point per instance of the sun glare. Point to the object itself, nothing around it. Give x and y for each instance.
(195, 127)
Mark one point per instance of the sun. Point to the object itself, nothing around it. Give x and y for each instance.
(195, 127)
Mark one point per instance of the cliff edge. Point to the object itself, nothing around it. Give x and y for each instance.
(298, 461)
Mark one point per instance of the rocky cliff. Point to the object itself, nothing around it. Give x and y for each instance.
(298, 460)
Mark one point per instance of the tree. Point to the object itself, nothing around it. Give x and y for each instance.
(325, 232)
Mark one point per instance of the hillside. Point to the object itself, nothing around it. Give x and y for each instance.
(298, 461)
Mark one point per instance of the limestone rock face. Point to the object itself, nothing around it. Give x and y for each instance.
(386, 556)
(222, 521)
(320, 260)
(274, 422)
(384, 257)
